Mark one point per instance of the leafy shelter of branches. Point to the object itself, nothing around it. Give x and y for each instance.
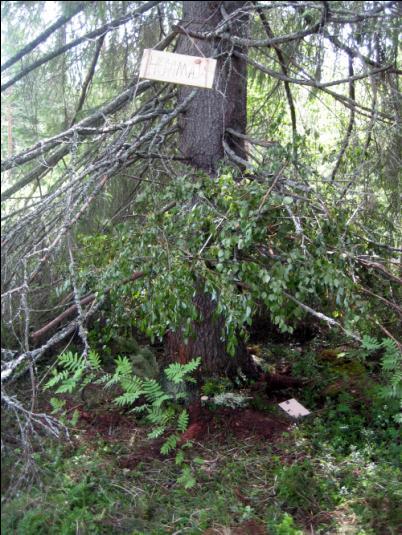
(95, 187)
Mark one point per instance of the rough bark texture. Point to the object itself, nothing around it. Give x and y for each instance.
(211, 112)
(203, 128)
(209, 344)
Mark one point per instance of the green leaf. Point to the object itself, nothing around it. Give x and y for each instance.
(186, 478)
(182, 421)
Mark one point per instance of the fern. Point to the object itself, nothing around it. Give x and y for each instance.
(57, 405)
(182, 421)
(391, 364)
(162, 399)
(179, 460)
(370, 344)
(72, 361)
(157, 405)
(169, 444)
(157, 432)
(74, 418)
(124, 366)
(123, 371)
(67, 386)
(94, 360)
(140, 409)
(392, 357)
(153, 390)
(177, 373)
(160, 416)
(104, 380)
(186, 479)
(128, 398)
(133, 385)
(111, 380)
(70, 377)
(57, 378)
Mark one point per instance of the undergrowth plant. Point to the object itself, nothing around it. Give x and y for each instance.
(145, 397)
(391, 365)
(226, 234)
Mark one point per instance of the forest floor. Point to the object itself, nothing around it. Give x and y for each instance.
(255, 470)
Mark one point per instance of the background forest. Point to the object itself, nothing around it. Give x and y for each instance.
(177, 261)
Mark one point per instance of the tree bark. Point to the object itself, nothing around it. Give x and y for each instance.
(211, 112)
(202, 132)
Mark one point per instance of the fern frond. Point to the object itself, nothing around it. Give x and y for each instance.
(133, 384)
(161, 399)
(371, 344)
(182, 421)
(152, 390)
(169, 444)
(140, 409)
(112, 380)
(157, 432)
(127, 398)
(67, 386)
(57, 404)
(177, 373)
(158, 416)
(186, 479)
(104, 379)
(179, 457)
(124, 366)
(57, 378)
(72, 361)
(94, 360)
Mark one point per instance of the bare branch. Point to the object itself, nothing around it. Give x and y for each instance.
(61, 21)
(103, 30)
(284, 69)
(350, 125)
(88, 78)
(322, 317)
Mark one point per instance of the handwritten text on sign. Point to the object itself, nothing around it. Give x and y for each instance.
(177, 68)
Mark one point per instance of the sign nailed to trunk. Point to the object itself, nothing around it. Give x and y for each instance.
(178, 68)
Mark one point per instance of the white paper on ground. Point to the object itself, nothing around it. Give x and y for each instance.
(294, 408)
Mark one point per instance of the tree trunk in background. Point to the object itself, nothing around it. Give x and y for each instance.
(202, 130)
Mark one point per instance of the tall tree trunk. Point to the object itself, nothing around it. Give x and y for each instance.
(211, 112)
(202, 131)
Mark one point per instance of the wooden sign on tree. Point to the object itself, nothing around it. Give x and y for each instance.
(178, 68)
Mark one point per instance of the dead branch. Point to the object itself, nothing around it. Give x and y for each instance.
(349, 130)
(379, 267)
(85, 127)
(284, 69)
(48, 423)
(394, 306)
(251, 140)
(387, 333)
(98, 118)
(103, 30)
(15, 368)
(322, 317)
(88, 78)
(61, 21)
(323, 86)
(70, 311)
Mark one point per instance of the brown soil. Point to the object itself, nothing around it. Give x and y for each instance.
(219, 425)
(245, 423)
